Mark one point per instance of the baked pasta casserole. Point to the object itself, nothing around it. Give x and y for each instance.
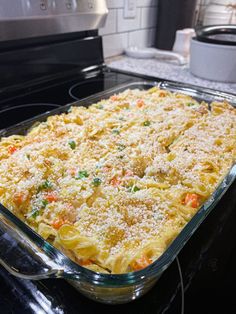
(113, 184)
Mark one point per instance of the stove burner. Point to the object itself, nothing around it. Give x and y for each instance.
(83, 89)
(14, 114)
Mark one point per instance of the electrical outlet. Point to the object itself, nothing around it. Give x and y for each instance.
(130, 9)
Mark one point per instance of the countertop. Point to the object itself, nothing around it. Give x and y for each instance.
(165, 70)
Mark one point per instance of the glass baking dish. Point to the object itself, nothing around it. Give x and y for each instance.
(25, 254)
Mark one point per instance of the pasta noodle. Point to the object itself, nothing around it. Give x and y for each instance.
(113, 184)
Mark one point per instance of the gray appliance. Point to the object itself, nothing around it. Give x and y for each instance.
(34, 18)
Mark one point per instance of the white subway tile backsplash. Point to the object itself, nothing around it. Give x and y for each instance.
(142, 38)
(114, 44)
(128, 24)
(148, 17)
(147, 3)
(200, 11)
(115, 4)
(111, 23)
(119, 32)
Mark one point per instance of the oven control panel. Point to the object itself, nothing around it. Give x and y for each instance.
(57, 7)
(32, 18)
(30, 8)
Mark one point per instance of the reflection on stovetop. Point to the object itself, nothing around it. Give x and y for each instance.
(14, 109)
(59, 93)
(14, 114)
(57, 296)
(77, 90)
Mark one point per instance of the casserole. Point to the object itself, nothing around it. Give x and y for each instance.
(48, 262)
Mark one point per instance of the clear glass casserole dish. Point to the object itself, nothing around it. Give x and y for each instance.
(25, 254)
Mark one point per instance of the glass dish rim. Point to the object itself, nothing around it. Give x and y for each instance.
(72, 270)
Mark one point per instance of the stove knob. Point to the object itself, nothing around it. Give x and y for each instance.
(43, 4)
(69, 4)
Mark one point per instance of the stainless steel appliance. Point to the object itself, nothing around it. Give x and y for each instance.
(32, 18)
(44, 72)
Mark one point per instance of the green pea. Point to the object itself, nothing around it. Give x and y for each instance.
(72, 144)
(96, 182)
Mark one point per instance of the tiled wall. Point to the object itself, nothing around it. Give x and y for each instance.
(201, 7)
(120, 33)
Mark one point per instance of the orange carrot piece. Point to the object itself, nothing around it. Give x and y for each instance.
(19, 198)
(141, 263)
(114, 98)
(12, 149)
(51, 197)
(140, 103)
(56, 224)
(116, 181)
(192, 199)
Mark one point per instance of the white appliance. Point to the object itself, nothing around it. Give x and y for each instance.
(213, 53)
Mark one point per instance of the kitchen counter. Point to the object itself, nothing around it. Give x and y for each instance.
(165, 70)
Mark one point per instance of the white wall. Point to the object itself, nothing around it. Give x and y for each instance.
(201, 7)
(120, 33)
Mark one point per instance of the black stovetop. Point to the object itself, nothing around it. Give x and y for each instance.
(207, 261)
(16, 107)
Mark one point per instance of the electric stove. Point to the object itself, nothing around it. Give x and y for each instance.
(38, 76)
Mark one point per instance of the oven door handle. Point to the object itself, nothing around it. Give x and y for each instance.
(22, 258)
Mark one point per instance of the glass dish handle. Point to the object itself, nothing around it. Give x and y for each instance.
(21, 257)
(200, 93)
